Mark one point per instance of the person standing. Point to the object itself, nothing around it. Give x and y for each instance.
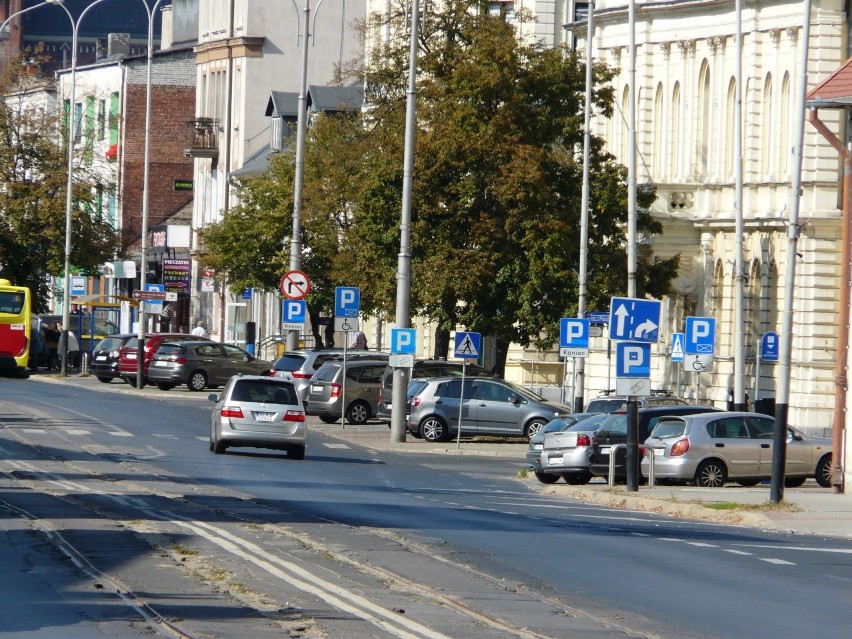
(199, 330)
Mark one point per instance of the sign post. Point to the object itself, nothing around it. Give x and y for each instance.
(573, 342)
(467, 346)
(347, 308)
(768, 352)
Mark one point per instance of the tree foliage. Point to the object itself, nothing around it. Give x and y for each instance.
(496, 192)
(33, 181)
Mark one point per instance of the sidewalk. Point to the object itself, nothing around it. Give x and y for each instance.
(808, 509)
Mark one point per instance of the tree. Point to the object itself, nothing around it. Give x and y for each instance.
(33, 181)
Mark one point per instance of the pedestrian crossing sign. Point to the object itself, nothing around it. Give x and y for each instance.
(467, 345)
(677, 347)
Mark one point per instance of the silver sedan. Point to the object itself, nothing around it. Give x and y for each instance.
(566, 453)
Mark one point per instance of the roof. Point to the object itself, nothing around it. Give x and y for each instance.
(835, 91)
(319, 98)
(255, 164)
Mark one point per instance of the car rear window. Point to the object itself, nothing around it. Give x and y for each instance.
(170, 349)
(605, 405)
(289, 363)
(133, 342)
(327, 372)
(416, 386)
(667, 428)
(271, 392)
(109, 344)
(613, 425)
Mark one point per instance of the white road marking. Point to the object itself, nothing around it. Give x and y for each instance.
(161, 436)
(779, 562)
(701, 544)
(335, 445)
(121, 433)
(78, 432)
(736, 552)
(842, 551)
(33, 430)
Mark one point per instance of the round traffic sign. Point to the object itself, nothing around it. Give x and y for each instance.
(295, 285)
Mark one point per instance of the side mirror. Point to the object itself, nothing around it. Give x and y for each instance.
(213, 397)
(513, 399)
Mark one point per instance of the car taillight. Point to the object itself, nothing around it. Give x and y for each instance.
(294, 416)
(232, 411)
(178, 360)
(335, 391)
(583, 440)
(297, 375)
(415, 402)
(272, 373)
(113, 354)
(679, 448)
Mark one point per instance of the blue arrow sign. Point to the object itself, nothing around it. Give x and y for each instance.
(769, 347)
(403, 340)
(573, 332)
(677, 347)
(347, 301)
(632, 359)
(467, 345)
(634, 320)
(700, 336)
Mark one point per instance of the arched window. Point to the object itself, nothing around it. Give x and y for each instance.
(783, 153)
(728, 141)
(674, 135)
(658, 155)
(703, 137)
(766, 128)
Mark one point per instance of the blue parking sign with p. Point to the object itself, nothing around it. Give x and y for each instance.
(700, 336)
(573, 332)
(294, 311)
(403, 341)
(347, 301)
(632, 359)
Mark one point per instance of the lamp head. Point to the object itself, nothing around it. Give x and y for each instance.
(55, 1)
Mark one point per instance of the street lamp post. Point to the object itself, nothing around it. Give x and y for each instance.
(69, 195)
(143, 270)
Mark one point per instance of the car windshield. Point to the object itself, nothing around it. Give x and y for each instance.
(270, 392)
(289, 362)
(524, 392)
(668, 428)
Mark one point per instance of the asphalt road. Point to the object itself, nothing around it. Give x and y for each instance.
(252, 543)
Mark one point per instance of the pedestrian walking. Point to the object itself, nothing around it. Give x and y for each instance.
(200, 330)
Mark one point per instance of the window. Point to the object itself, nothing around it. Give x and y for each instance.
(728, 428)
(674, 135)
(113, 118)
(102, 119)
(78, 121)
(703, 149)
(767, 125)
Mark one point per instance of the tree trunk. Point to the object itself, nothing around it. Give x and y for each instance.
(316, 329)
(502, 352)
(442, 343)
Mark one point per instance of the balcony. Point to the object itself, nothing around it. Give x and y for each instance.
(202, 139)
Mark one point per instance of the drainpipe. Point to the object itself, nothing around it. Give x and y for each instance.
(840, 367)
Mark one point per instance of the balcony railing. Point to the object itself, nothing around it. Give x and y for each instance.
(202, 139)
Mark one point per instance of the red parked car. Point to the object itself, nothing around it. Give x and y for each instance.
(127, 354)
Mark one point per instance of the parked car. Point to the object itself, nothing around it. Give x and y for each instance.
(556, 425)
(300, 365)
(614, 431)
(615, 403)
(325, 393)
(127, 354)
(104, 364)
(259, 411)
(202, 364)
(423, 368)
(487, 407)
(566, 453)
(712, 449)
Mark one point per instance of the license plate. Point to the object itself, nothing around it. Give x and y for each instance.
(554, 461)
(160, 363)
(604, 450)
(264, 417)
(316, 389)
(100, 358)
(659, 452)
(131, 356)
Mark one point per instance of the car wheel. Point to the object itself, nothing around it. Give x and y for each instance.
(210, 446)
(823, 473)
(546, 478)
(328, 419)
(358, 413)
(577, 479)
(748, 483)
(165, 385)
(197, 381)
(296, 452)
(794, 482)
(533, 427)
(711, 474)
(105, 380)
(433, 429)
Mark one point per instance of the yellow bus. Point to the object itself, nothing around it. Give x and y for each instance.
(15, 327)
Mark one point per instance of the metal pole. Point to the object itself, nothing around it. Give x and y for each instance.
(580, 363)
(782, 406)
(757, 371)
(301, 123)
(403, 273)
(143, 247)
(69, 187)
(739, 366)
